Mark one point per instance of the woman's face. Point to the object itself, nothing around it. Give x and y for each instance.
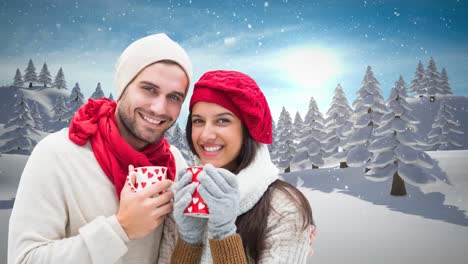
(216, 135)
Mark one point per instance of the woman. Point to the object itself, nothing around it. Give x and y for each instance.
(254, 216)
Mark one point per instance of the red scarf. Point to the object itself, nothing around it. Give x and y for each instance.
(95, 121)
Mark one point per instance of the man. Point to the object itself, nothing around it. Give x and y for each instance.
(73, 204)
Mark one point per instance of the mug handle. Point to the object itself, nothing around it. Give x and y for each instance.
(131, 172)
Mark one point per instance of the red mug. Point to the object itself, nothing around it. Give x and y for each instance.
(197, 207)
(148, 175)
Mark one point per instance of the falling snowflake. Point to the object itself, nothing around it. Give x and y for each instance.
(266, 4)
(249, 26)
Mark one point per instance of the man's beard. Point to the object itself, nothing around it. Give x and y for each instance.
(131, 127)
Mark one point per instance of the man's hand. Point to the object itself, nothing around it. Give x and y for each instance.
(143, 211)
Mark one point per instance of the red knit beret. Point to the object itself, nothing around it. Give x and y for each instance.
(241, 95)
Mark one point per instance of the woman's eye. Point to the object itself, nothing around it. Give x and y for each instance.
(223, 121)
(197, 121)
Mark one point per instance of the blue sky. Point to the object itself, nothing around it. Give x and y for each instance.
(293, 49)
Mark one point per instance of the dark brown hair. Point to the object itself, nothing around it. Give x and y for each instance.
(251, 225)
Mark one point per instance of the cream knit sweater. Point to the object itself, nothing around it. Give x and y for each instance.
(286, 241)
(65, 209)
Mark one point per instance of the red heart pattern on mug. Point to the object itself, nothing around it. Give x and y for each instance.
(197, 206)
(148, 176)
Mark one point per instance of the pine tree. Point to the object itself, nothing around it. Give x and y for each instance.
(179, 141)
(445, 133)
(394, 151)
(36, 115)
(44, 76)
(337, 117)
(30, 75)
(60, 111)
(18, 80)
(168, 134)
(400, 85)
(273, 147)
(98, 93)
(444, 84)
(298, 126)
(369, 107)
(432, 81)
(111, 97)
(309, 150)
(59, 81)
(286, 149)
(75, 101)
(20, 140)
(418, 83)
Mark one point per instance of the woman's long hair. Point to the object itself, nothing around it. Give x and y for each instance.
(252, 225)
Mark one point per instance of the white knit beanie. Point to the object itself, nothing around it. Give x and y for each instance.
(146, 51)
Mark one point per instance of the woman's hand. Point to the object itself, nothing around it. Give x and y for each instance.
(190, 228)
(218, 188)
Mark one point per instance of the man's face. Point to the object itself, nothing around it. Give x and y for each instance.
(151, 104)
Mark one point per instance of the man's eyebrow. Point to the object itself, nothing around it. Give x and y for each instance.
(150, 84)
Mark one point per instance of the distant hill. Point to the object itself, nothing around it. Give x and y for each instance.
(45, 97)
(426, 111)
(423, 110)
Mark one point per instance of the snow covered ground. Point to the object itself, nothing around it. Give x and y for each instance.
(358, 221)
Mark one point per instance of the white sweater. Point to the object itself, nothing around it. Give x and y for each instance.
(65, 209)
(286, 241)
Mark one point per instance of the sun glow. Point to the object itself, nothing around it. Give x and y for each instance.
(310, 67)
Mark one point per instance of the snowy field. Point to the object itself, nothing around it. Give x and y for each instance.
(358, 221)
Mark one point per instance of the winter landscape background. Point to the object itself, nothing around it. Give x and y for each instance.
(369, 101)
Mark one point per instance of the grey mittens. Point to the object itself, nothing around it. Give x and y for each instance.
(219, 189)
(190, 228)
